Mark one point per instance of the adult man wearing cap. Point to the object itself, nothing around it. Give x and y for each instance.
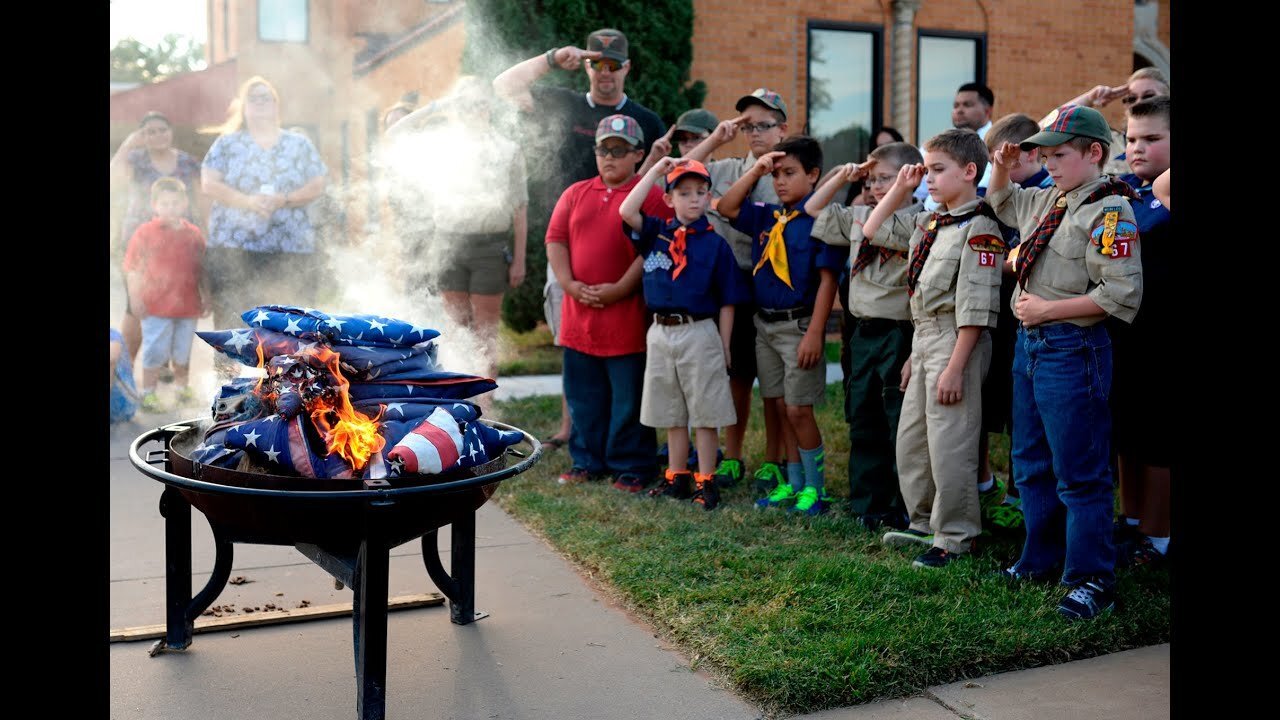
(763, 120)
(574, 115)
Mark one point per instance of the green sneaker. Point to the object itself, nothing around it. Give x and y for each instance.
(729, 473)
(810, 502)
(998, 509)
(768, 476)
(782, 496)
(151, 402)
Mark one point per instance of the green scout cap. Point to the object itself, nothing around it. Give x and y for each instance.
(1067, 122)
(620, 126)
(763, 96)
(697, 121)
(609, 43)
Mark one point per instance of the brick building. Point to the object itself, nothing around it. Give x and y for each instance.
(844, 66)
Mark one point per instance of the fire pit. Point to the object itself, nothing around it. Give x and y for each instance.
(346, 526)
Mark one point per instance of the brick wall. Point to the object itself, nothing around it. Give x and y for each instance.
(1034, 60)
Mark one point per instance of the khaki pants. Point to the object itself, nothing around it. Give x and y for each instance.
(937, 448)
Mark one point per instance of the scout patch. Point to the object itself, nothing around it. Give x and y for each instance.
(657, 260)
(988, 247)
(1114, 237)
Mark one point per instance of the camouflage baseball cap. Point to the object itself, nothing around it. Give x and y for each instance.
(765, 97)
(609, 43)
(1067, 122)
(686, 167)
(697, 121)
(620, 126)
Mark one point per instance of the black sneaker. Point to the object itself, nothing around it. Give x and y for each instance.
(675, 484)
(630, 482)
(1088, 599)
(936, 557)
(894, 520)
(1140, 553)
(705, 492)
(1051, 575)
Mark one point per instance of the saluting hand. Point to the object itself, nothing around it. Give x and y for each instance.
(910, 175)
(764, 164)
(728, 129)
(1006, 156)
(666, 165)
(570, 57)
(662, 146)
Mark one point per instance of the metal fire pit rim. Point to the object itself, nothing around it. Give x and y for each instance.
(168, 478)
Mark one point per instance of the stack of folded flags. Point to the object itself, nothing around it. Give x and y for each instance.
(388, 372)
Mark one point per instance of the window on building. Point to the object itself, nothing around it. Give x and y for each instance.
(945, 61)
(282, 20)
(844, 90)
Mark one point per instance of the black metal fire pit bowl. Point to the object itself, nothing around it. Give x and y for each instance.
(348, 527)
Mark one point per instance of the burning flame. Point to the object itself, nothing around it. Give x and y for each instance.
(353, 435)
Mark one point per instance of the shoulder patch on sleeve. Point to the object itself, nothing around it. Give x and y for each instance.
(988, 243)
(1114, 237)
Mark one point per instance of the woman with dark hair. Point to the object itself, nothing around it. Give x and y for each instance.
(145, 156)
(884, 136)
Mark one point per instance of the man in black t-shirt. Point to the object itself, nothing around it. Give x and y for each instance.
(566, 120)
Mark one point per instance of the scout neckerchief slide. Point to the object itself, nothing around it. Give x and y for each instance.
(775, 250)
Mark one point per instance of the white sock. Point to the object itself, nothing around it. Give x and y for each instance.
(1133, 522)
(1161, 544)
(986, 486)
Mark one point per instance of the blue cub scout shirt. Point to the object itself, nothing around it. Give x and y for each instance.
(1148, 211)
(710, 279)
(805, 255)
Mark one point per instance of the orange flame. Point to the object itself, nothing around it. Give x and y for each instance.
(353, 435)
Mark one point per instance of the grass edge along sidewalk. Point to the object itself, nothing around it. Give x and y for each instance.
(803, 614)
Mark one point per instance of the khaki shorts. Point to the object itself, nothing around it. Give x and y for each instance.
(777, 344)
(478, 266)
(685, 380)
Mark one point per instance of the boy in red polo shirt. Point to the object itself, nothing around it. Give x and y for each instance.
(164, 275)
(602, 319)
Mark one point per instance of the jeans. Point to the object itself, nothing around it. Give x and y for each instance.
(603, 394)
(1062, 449)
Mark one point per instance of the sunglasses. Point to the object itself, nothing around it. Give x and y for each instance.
(1131, 99)
(616, 151)
(605, 64)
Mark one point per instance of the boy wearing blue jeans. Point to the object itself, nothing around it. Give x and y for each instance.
(1078, 263)
(690, 277)
(794, 279)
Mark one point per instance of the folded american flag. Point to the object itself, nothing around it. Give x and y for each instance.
(358, 362)
(368, 330)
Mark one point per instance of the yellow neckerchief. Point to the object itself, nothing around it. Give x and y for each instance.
(775, 250)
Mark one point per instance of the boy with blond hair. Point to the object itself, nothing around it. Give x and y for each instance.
(1078, 263)
(690, 277)
(880, 339)
(953, 284)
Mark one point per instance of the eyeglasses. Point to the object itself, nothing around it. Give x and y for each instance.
(881, 179)
(605, 64)
(160, 130)
(1131, 99)
(759, 127)
(260, 98)
(616, 151)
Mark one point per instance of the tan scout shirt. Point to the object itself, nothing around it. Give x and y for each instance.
(724, 173)
(1071, 265)
(962, 273)
(880, 290)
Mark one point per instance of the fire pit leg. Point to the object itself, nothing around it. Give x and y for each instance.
(181, 610)
(369, 617)
(460, 588)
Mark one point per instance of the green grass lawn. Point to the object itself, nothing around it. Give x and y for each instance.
(804, 614)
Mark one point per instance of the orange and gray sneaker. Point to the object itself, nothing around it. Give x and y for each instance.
(705, 492)
(675, 484)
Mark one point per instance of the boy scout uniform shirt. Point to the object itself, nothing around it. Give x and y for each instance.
(710, 278)
(962, 273)
(1072, 264)
(724, 173)
(879, 290)
(805, 255)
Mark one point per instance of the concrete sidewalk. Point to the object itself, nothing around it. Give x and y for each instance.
(554, 646)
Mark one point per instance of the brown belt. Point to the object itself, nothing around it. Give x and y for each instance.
(675, 318)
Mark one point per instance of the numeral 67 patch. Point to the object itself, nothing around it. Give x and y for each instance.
(1114, 238)
(988, 248)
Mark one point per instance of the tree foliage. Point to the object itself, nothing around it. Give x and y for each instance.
(501, 33)
(134, 61)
